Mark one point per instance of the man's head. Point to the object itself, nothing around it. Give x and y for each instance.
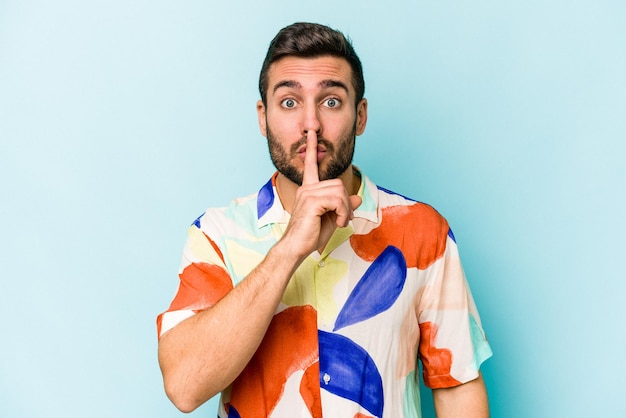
(311, 40)
(309, 83)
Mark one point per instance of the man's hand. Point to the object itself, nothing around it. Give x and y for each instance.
(320, 206)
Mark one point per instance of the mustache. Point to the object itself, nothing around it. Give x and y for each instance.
(320, 141)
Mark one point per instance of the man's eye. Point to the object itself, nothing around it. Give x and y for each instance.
(288, 103)
(332, 103)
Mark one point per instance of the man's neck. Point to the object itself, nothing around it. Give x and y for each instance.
(287, 189)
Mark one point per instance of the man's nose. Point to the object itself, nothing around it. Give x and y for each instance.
(311, 120)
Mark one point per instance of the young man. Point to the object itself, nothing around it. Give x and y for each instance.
(316, 295)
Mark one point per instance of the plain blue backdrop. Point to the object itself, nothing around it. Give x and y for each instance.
(121, 121)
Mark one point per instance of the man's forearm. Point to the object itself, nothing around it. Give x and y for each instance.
(205, 353)
(468, 400)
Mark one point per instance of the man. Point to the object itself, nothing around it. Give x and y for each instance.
(316, 295)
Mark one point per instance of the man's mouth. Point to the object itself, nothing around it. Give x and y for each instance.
(321, 152)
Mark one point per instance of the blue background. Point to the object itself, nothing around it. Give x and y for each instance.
(121, 121)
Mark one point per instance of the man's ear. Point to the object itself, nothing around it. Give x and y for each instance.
(260, 112)
(361, 116)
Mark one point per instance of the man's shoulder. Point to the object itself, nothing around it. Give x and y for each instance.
(239, 210)
(415, 228)
(388, 199)
(381, 201)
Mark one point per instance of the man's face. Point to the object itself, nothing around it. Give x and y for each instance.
(311, 94)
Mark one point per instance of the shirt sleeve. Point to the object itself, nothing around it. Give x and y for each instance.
(204, 280)
(452, 344)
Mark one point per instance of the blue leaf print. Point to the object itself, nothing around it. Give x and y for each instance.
(265, 199)
(451, 235)
(232, 412)
(377, 290)
(346, 370)
(197, 221)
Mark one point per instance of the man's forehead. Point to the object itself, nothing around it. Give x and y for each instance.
(318, 70)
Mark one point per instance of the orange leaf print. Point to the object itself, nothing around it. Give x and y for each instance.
(418, 231)
(310, 390)
(437, 361)
(289, 345)
(202, 285)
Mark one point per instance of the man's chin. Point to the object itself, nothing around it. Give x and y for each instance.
(333, 172)
(292, 175)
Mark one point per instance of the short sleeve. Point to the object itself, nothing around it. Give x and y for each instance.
(204, 280)
(452, 344)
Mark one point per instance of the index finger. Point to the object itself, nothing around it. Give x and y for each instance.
(310, 174)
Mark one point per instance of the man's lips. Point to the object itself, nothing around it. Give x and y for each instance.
(321, 152)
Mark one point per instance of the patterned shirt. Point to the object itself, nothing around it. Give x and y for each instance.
(387, 290)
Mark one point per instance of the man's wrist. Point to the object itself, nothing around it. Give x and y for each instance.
(288, 253)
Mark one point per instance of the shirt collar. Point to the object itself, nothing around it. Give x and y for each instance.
(270, 209)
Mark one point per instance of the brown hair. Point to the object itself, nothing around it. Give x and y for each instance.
(310, 40)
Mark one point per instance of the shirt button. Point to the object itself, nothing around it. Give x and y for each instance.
(321, 263)
(326, 378)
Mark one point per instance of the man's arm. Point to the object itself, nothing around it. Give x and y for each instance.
(468, 400)
(204, 354)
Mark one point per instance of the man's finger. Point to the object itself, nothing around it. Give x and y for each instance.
(311, 172)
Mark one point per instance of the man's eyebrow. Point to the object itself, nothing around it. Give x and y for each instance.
(287, 83)
(325, 84)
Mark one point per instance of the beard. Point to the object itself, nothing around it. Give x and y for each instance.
(339, 156)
